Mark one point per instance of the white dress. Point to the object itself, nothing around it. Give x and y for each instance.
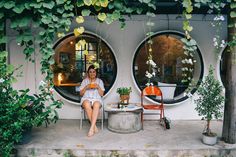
(92, 94)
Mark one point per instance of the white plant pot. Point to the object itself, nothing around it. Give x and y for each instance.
(168, 90)
(209, 140)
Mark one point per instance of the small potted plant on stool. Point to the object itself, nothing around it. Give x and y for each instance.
(209, 104)
(124, 94)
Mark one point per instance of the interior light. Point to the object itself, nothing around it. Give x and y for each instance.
(71, 42)
(60, 78)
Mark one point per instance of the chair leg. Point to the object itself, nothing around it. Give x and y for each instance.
(81, 118)
(102, 118)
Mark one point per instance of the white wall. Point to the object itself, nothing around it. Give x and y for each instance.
(124, 44)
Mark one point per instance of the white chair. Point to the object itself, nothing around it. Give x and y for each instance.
(83, 115)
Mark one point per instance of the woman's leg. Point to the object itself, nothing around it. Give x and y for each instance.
(96, 108)
(88, 109)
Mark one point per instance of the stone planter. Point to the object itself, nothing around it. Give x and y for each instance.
(209, 140)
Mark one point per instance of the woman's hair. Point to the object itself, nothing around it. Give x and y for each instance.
(92, 67)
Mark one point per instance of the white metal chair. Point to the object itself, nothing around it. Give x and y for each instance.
(83, 115)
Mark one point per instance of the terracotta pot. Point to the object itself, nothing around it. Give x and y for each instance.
(124, 99)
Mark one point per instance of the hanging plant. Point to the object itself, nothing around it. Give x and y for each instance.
(189, 43)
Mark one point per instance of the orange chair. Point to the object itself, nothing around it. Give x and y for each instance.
(152, 91)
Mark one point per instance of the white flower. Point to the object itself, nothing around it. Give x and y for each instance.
(4, 90)
(151, 62)
(222, 45)
(148, 75)
(214, 39)
(190, 61)
(147, 84)
(219, 18)
(42, 83)
(1, 80)
(215, 44)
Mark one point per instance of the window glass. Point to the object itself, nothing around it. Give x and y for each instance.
(72, 61)
(167, 51)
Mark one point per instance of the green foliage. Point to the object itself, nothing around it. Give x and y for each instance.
(210, 101)
(19, 111)
(124, 90)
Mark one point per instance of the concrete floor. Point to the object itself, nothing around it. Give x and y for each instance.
(183, 139)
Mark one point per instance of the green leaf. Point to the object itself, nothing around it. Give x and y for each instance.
(1, 15)
(152, 6)
(233, 5)
(129, 10)
(49, 5)
(109, 19)
(80, 3)
(150, 14)
(232, 14)
(189, 9)
(88, 2)
(104, 3)
(24, 21)
(146, 1)
(2, 4)
(102, 16)
(139, 10)
(188, 16)
(97, 8)
(58, 2)
(46, 19)
(9, 4)
(3, 39)
(19, 8)
(197, 5)
(85, 12)
(60, 10)
(36, 5)
(115, 15)
(27, 5)
(9, 69)
(110, 6)
(118, 5)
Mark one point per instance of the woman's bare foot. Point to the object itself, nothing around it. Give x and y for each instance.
(91, 132)
(95, 129)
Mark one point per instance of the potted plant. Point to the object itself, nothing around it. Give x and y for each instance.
(209, 104)
(124, 94)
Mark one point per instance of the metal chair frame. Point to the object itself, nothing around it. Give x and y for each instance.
(152, 91)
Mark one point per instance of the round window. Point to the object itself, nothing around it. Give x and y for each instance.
(73, 55)
(167, 52)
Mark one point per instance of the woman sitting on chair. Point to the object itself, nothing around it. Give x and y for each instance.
(92, 90)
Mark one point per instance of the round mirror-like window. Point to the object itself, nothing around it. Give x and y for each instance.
(73, 56)
(167, 53)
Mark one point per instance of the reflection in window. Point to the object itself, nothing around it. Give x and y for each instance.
(167, 50)
(72, 61)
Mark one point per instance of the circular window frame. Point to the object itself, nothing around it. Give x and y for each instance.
(172, 102)
(69, 99)
(218, 64)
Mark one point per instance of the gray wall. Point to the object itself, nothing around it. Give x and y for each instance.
(124, 44)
